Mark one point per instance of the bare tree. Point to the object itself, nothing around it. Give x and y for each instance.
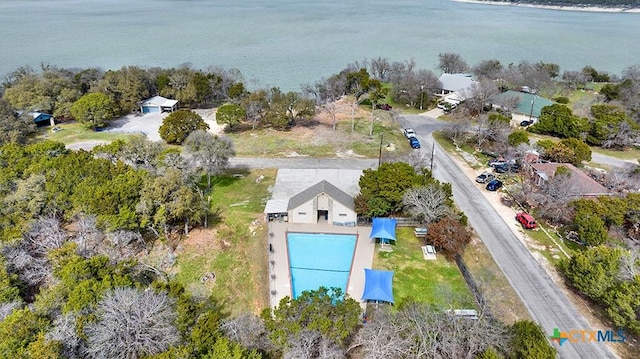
(452, 63)
(629, 265)
(426, 203)
(65, 332)
(45, 234)
(490, 69)
(383, 336)
(8, 308)
(554, 196)
(247, 330)
(131, 324)
(457, 128)
(478, 94)
(379, 68)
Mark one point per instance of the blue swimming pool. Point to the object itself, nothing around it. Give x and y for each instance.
(319, 260)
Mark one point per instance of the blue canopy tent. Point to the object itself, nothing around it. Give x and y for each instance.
(385, 229)
(377, 285)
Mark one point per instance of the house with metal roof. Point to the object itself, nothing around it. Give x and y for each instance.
(455, 87)
(523, 106)
(158, 104)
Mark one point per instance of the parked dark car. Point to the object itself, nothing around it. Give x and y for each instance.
(526, 123)
(494, 185)
(384, 106)
(507, 167)
(485, 177)
(415, 144)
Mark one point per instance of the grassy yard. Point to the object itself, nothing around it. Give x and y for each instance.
(438, 282)
(234, 248)
(321, 141)
(72, 132)
(504, 302)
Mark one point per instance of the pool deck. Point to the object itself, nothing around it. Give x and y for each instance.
(279, 275)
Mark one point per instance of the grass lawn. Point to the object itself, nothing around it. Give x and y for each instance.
(234, 247)
(72, 132)
(504, 302)
(437, 282)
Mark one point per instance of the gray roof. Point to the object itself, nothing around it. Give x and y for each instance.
(322, 187)
(159, 101)
(456, 82)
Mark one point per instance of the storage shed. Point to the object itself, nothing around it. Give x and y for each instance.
(158, 104)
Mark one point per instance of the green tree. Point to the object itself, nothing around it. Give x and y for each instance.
(8, 292)
(590, 228)
(569, 150)
(623, 304)
(177, 126)
(167, 201)
(382, 189)
(52, 91)
(94, 110)
(530, 341)
(14, 128)
(126, 87)
(593, 271)
(328, 311)
(18, 330)
(558, 120)
(518, 137)
(230, 114)
(287, 109)
(209, 151)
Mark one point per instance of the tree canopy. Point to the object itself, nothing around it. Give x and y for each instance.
(177, 126)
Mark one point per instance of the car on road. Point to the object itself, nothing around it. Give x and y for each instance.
(526, 220)
(485, 177)
(494, 185)
(415, 144)
(408, 133)
(384, 106)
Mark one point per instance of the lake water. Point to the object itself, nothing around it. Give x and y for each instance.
(287, 43)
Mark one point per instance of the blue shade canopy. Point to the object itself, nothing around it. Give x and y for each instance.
(377, 285)
(384, 228)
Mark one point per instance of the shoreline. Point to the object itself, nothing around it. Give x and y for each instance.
(586, 8)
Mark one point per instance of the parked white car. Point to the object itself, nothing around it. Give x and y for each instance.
(408, 133)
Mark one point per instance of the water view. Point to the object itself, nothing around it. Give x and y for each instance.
(286, 43)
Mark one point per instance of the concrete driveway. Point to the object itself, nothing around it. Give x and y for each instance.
(147, 124)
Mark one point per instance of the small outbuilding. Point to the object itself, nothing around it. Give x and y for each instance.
(158, 104)
(39, 118)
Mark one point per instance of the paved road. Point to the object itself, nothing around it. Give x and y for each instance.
(545, 301)
(611, 161)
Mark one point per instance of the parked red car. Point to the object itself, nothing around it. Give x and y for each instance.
(526, 220)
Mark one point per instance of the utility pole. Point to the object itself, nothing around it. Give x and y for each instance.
(433, 154)
(380, 152)
(533, 100)
(421, 95)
